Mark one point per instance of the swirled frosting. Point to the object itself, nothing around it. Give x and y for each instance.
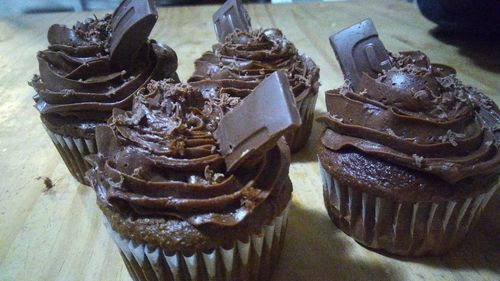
(417, 115)
(246, 58)
(161, 159)
(77, 80)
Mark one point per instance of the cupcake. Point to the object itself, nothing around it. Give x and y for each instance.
(407, 160)
(168, 201)
(79, 85)
(244, 59)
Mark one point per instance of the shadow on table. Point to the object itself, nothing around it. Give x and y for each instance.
(308, 152)
(318, 251)
(483, 50)
(481, 248)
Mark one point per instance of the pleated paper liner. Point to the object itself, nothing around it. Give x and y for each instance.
(401, 228)
(73, 151)
(250, 260)
(298, 137)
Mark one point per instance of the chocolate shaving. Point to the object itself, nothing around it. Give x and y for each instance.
(418, 160)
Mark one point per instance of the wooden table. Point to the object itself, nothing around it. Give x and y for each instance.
(57, 234)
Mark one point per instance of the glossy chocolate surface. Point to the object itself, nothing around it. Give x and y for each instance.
(131, 25)
(359, 50)
(255, 125)
(231, 16)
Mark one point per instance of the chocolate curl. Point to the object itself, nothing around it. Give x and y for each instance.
(359, 50)
(230, 17)
(131, 25)
(250, 129)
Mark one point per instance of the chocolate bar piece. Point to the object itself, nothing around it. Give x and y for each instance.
(229, 17)
(257, 123)
(131, 25)
(358, 49)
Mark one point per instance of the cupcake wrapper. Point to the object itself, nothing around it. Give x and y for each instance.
(72, 151)
(298, 137)
(401, 228)
(252, 259)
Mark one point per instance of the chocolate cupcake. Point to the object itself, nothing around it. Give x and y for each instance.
(244, 58)
(169, 202)
(79, 84)
(407, 161)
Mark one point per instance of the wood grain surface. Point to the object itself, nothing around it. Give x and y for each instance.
(57, 234)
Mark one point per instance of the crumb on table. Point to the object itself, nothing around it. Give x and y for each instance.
(47, 181)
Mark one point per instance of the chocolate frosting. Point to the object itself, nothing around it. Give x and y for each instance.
(246, 58)
(417, 115)
(161, 159)
(77, 80)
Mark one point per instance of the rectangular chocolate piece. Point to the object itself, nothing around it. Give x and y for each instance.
(358, 49)
(131, 25)
(229, 17)
(258, 121)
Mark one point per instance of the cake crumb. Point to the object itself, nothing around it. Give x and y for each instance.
(47, 182)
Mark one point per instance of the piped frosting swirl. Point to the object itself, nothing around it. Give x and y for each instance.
(160, 159)
(417, 115)
(76, 76)
(247, 58)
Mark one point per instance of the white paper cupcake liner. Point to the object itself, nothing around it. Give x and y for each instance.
(72, 151)
(401, 228)
(251, 259)
(298, 138)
